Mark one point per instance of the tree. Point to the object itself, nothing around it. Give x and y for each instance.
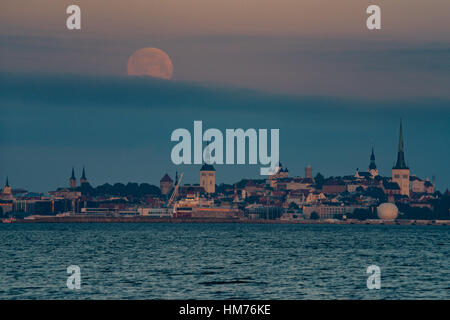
(149, 189)
(362, 214)
(132, 189)
(119, 189)
(314, 216)
(376, 193)
(319, 180)
(104, 189)
(224, 188)
(442, 207)
(86, 189)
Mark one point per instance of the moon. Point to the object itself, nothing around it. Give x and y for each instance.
(151, 62)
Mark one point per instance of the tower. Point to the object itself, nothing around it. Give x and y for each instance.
(7, 188)
(308, 172)
(83, 177)
(372, 166)
(73, 180)
(400, 172)
(166, 184)
(208, 178)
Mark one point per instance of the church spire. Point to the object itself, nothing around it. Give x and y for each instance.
(7, 182)
(401, 164)
(83, 178)
(73, 180)
(400, 140)
(372, 164)
(83, 175)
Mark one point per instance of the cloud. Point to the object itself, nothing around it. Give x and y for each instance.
(56, 90)
(364, 68)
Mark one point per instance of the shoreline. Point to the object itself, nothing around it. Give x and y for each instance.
(144, 219)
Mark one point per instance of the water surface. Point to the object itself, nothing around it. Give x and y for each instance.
(223, 261)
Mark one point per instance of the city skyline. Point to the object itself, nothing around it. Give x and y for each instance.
(400, 164)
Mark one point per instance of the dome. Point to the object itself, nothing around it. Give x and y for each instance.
(387, 211)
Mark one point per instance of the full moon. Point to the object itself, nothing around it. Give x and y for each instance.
(151, 62)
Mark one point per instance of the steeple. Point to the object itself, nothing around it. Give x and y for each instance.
(73, 180)
(7, 188)
(372, 165)
(401, 164)
(83, 178)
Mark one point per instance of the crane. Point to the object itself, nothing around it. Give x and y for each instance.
(175, 191)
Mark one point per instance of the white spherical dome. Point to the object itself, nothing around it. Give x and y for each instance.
(387, 211)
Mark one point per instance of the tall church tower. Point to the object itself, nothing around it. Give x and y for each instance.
(308, 172)
(208, 178)
(73, 180)
(400, 172)
(372, 166)
(208, 173)
(7, 188)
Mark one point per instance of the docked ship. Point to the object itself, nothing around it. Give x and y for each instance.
(194, 206)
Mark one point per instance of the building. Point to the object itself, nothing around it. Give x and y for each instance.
(280, 173)
(208, 178)
(372, 172)
(372, 166)
(6, 199)
(390, 188)
(83, 178)
(328, 211)
(400, 172)
(215, 212)
(7, 188)
(308, 172)
(65, 193)
(165, 184)
(73, 180)
(333, 186)
(418, 185)
(300, 197)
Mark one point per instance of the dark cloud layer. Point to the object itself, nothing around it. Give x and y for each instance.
(367, 67)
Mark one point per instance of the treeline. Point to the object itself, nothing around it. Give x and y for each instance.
(440, 211)
(133, 189)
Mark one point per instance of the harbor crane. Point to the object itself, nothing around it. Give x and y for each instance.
(175, 192)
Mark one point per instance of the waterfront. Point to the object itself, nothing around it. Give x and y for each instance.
(223, 261)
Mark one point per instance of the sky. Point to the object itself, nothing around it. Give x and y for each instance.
(309, 68)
